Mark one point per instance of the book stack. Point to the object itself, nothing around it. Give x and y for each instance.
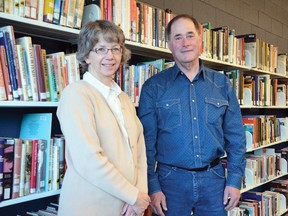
(31, 75)
(33, 163)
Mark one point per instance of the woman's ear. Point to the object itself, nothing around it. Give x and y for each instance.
(87, 61)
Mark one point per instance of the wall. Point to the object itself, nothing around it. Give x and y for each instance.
(267, 18)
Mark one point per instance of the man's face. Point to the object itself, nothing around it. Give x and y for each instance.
(185, 42)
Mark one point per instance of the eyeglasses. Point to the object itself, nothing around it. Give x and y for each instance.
(104, 50)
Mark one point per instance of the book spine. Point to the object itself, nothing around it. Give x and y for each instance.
(28, 161)
(4, 65)
(8, 168)
(52, 80)
(71, 10)
(79, 8)
(17, 168)
(41, 166)
(2, 142)
(22, 169)
(55, 167)
(63, 14)
(22, 72)
(48, 11)
(40, 10)
(5, 41)
(45, 72)
(56, 12)
(34, 153)
(27, 8)
(39, 72)
(26, 43)
(34, 9)
(60, 142)
(3, 94)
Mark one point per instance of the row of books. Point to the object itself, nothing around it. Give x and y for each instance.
(263, 165)
(223, 44)
(140, 22)
(131, 78)
(258, 90)
(267, 203)
(27, 73)
(50, 210)
(30, 166)
(261, 130)
(60, 12)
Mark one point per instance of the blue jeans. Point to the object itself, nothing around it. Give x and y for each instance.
(200, 192)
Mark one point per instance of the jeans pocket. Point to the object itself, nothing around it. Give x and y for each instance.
(218, 171)
(164, 172)
(215, 109)
(169, 112)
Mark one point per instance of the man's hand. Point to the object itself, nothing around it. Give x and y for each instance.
(158, 202)
(141, 204)
(231, 197)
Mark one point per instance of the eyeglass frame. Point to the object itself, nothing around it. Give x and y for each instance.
(113, 50)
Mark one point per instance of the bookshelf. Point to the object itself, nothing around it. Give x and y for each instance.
(11, 111)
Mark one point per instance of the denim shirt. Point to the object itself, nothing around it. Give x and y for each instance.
(189, 124)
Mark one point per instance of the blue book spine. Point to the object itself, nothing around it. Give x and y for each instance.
(5, 41)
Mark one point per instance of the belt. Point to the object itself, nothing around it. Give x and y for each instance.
(212, 164)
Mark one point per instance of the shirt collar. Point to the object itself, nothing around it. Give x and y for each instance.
(201, 72)
(103, 89)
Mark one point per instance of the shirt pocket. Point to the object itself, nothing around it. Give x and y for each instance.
(215, 109)
(169, 112)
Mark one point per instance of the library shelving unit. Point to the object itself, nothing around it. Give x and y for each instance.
(57, 38)
(53, 38)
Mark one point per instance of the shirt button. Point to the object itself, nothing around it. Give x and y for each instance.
(196, 137)
(193, 101)
(195, 118)
(167, 105)
(217, 103)
(197, 155)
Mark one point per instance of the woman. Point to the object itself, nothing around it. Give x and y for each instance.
(105, 150)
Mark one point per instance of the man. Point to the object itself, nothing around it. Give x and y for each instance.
(191, 117)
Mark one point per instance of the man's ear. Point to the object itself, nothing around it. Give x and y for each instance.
(169, 45)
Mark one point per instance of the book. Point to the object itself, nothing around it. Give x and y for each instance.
(2, 142)
(22, 168)
(41, 165)
(45, 70)
(60, 142)
(27, 166)
(26, 43)
(3, 94)
(33, 168)
(17, 167)
(39, 68)
(5, 41)
(38, 126)
(48, 11)
(8, 168)
(27, 95)
(5, 71)
(78, 15)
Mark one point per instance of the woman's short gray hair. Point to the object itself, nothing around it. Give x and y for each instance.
(89, 37)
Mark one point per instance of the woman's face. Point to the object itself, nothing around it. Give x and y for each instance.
(104, 63)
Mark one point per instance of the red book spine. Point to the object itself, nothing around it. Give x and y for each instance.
(34, 166)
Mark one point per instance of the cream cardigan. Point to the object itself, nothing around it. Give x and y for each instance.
(100, 178)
